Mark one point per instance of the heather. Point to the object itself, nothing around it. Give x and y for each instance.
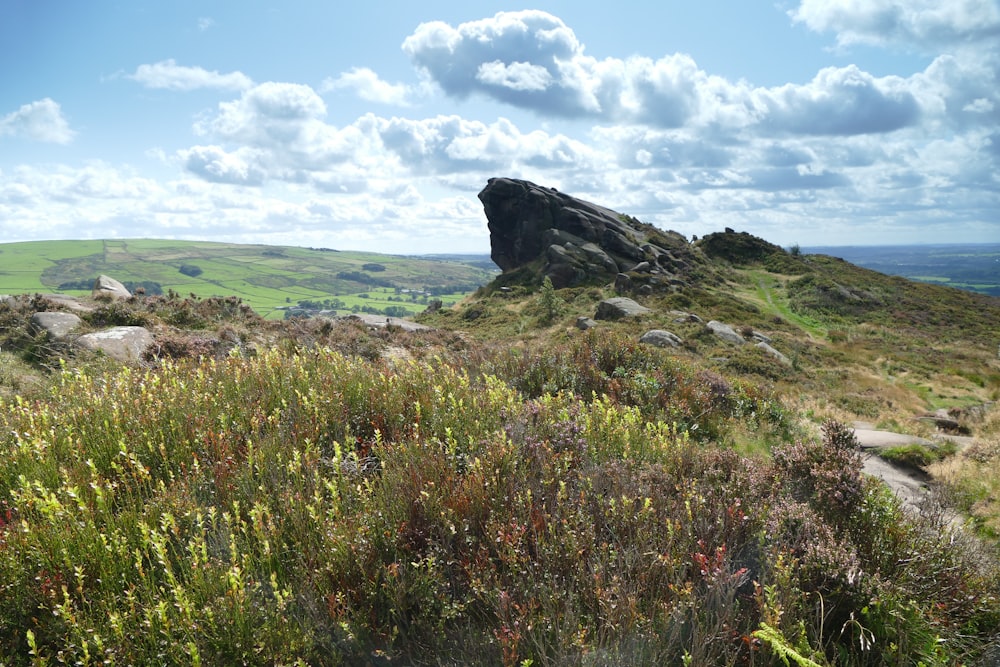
(559, 505)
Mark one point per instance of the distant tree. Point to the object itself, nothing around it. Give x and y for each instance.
(374, 268)
(190, 270)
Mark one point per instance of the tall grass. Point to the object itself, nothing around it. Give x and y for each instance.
(314, 508)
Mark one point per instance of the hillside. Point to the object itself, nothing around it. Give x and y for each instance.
(522, 482)
(268, 278)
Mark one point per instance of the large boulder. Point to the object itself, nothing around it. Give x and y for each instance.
(574, 242)
(126, 344)
(55, 325)
(109, 287)
(618, 308)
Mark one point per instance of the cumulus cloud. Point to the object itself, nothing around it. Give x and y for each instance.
(367, 85)
(915, 23)
(214, 164)
(39, 121)
(531, 59)
(839, 101)
(168, 75)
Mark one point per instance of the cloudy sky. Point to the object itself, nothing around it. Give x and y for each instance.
(373, 125)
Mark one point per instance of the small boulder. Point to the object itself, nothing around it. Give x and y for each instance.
(126, 344)
(660, 338)
(680, 317)
(55, 325)
(774, 353)
(619, 307)
(583, 323)
(107, 286)
(623, 284)
(725, 332)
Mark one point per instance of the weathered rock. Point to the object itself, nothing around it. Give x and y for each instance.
(69, 302)
(623, 284)
(645, 290)
(760, 338)
(681, 316)
(774, 353)
(585, 323)
(107, 286)
(660, 338)
(381, 321)
(572, 241)
(619, 307)
(126, 344)
(55, 325)
(725, 332)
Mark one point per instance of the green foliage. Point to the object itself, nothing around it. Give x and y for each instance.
(549, 302)
(323, 509)
(191, 270)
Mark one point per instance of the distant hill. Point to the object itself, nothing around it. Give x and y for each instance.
(969, 266)
(269, 278)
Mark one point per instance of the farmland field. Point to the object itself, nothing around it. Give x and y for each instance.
(271, 279)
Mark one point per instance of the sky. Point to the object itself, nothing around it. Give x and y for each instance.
(374, 125)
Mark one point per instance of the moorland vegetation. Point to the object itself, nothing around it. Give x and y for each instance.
(504, 488)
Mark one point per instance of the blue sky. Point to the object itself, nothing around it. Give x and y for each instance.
(373, 126)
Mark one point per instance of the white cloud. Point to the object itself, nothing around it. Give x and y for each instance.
(214, 164)
(516, 76)
(168, 75)
(39, 121)
(205, 22)
(532, 60)
(923, 24)
(367, 85)
(839, 101)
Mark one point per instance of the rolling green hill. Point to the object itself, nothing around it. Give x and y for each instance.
(269, 278)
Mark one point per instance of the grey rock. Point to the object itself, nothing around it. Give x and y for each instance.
(126, 344)
(725, 332)
(55, 324)
(381, 321)
(68, 302)
(619, 307)
(681, 316)
(642, 267)
(585, 323)
(774, 353)
(760, 338)
(107, 286)
(623, 284)
(645, 290)
(660, 338)
(526, 221)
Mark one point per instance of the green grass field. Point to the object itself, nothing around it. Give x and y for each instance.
(269, 278)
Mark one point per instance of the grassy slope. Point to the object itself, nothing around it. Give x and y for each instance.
(515, 515)
(266, 277)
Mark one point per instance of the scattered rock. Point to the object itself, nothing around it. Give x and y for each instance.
(126, 344)
(619, 307)
(774, 353)
(107, 286)
(944, 420)
(583, 322)
(68, 302)
(55, 325)
(381, 321)
(725, 332)
(680, 317)
(759, 337)
(623, 284)
(660, 338)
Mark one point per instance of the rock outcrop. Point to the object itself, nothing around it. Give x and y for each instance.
(575, 242)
